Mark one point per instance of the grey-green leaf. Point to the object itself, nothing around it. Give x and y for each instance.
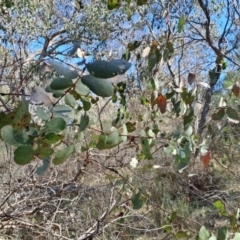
(62, 155)
(42, 114)
(101, 87)
(62, 70)
(61, 83)
(13, 137)
(109, 141)
(55, 125)
(80, 88)
(104, 69)
(84, 122)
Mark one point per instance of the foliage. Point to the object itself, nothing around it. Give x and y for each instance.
(71, 60)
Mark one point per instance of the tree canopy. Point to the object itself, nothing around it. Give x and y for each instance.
(143, 93)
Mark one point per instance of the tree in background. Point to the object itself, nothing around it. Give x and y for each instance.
(110, 158)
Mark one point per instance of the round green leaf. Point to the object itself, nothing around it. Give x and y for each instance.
(101, 87)
(109, 141)
(61, 83)
(80, 88)
(70, 100)
(204, 233)
(104, 69)
(42, 114)
(62, 155)
(23, 155)
(55, 125)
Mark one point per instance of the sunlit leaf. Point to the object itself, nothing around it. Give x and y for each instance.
(236, 236)
(134, 162)
(70, 100)
(101, 87)
(81, 88)
(181, 23)
(55, 125)
(40, 112)
(203, 84)
(204, 234)
(219, 205)
(62, 155)
(145, 52)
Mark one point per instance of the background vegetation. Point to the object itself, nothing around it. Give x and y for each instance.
(119, 119)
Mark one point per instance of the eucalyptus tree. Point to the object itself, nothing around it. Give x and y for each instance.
(175, 52)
